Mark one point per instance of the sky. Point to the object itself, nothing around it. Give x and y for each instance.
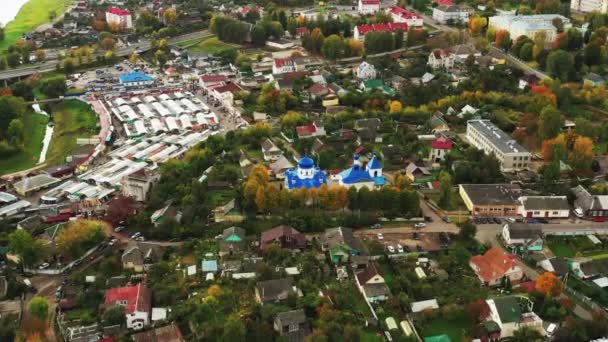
(9, 10)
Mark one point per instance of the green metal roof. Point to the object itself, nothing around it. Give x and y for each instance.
(372, 84)
(438, 338)
(508, 309)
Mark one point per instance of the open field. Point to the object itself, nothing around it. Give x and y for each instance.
(35, 125)
(73, 119)
(213, 46)
(33, 14)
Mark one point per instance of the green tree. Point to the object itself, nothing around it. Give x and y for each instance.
(54, 87)
(550, 123)
(13, 59)
(3, 63)
(527, 334)
(30, 250)
(445, 192)
(550, 174)
(234, 331)
(468, 231)
(39, 307)
(114, 316)
(15, 132)
(333, 47)
(526, 51)
(560, 64)
(593, 53)
(258, 35)
(399, 39)
(23, 89)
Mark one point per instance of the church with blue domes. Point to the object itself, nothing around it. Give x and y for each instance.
(359, 176)
(306, 175)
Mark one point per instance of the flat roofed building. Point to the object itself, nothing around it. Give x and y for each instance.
(529, 25)
(484, 135)
(491, 199)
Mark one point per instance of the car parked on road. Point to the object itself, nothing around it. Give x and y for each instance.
(112, 242)
(140, 239)
(391, 248)
(416, 236)
(446, 219)
(376, 226)
(400, 248)
(380, 236)
(420, 225)
(43, 266)
(135, 235)
(118, 229)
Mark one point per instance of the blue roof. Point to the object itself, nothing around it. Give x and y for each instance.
(135, 77)
(374, 163)
(355, 174)
(292, 181)
(306, 163)
(209, 265)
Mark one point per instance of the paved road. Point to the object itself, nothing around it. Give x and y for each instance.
(519, 64)
(144, 45)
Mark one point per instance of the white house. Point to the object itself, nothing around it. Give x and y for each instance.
(544, 206)
(441, 58)
(283, 65)
(137, 303)
(366, 71)
(445, 14)
(440, 148)
(119, 17)
(368, 6)
(527, 236)
(401, 15)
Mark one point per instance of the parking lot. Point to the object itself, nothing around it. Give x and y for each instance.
(410, 242)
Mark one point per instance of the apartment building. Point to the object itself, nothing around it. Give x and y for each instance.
(446, 14)
(484, 135)
(587, 6)
(529, 25)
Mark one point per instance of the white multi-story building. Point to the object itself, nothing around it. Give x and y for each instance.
(441, 58)
(588, 6)
(368, 6)
(120, 17)
(452, 13)
(529, 25)
(366, 71)
(401, 15)
(484, 135)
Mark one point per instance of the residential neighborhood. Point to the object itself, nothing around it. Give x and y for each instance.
(358, 170)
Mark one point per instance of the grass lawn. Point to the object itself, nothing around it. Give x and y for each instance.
(569, 247)
(36, 126)
(453, 327)
(73, 119)
(189, 42)
(457, 203)
(214, 46)
(33, 14)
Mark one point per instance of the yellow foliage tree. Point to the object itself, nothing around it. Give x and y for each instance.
(214, 291)
(80, 235)
(395, 107)
(581, 156)
(356, 47)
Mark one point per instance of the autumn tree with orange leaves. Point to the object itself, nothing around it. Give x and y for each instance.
(80, 235)
(503, 39)
(548, 284)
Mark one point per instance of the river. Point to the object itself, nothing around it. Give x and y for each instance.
(11, 7)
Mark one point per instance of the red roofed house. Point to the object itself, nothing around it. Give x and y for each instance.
(300, 31)
(401, 15)
(441, 58)
(209, 80)
(368, 6)
(494, 265)
(225, 92)
(440, 147)
(283, 65)
(120, 17)
(283, 236)
(246, 9)
(137, 303)
(309, 131)
(444, 2)
(361, 30)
